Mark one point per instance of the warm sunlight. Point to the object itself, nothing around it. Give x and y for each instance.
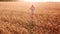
(40, 0)
(34, 0)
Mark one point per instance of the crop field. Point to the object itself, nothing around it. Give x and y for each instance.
(18, 21)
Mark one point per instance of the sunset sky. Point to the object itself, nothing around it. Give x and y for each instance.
(34, 0)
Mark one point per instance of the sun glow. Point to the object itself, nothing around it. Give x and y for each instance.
(31, 0)
(34, 0)
(40, 0)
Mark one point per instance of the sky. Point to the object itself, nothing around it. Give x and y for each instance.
(34, 0)
(41, 0)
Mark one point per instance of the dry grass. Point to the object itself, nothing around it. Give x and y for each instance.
(13, 22)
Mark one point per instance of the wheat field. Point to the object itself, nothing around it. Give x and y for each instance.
(16, 18)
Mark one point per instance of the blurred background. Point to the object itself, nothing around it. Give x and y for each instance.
(8, 0)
